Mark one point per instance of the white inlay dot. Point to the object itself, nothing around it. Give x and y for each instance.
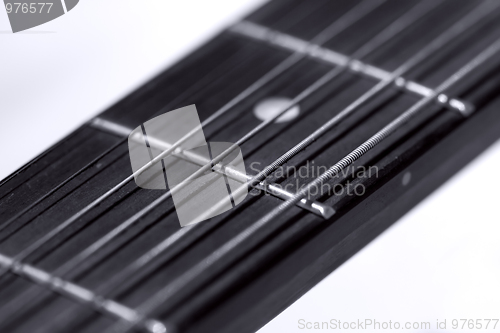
(270, 107)
(406, 178)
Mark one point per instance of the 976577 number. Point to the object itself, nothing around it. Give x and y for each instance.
(33, 8)
(474, 324)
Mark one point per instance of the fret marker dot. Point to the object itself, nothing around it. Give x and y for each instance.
(406, 178)
(270, 107)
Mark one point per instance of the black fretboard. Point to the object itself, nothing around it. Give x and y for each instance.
(83, 251)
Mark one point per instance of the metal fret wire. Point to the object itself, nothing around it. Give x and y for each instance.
(226, 66)
(161, 296)
(316, 52)
(272, 189)
(352, 16)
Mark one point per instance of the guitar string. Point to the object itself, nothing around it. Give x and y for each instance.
(416, 13)
(349, 18)
(198, 86)
(201, 268)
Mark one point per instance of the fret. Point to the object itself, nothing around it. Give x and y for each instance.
(291, 43)
(78, 293)
(272, 189)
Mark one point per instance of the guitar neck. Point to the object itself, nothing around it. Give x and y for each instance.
(381, 102)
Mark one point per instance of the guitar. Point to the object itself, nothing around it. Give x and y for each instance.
(347, 113)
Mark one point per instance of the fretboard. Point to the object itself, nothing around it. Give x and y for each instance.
(382, 102)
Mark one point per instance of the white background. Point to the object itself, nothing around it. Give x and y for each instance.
(442, 260)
